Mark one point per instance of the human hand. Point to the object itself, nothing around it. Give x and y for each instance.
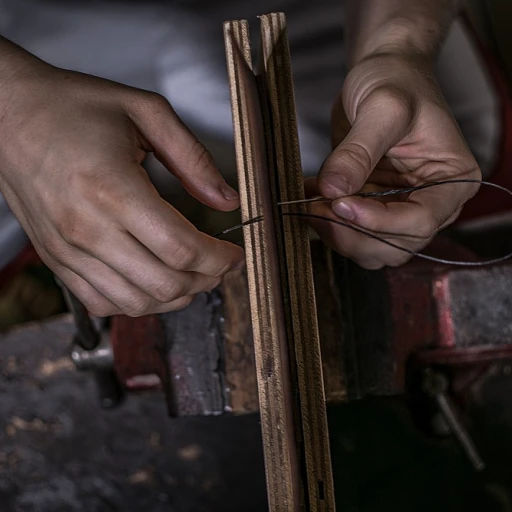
(392, 128)
(71, 153)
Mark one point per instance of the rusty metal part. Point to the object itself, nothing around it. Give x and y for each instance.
(436, 385)
(100, 358)
(373, 325)
(395, 314)
(209, 345)
(194, 355)
(138, 345)
(376, 329)
(464, 356)
(203, 362)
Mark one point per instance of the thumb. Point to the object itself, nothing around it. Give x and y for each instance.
(381, 120)
(180, 151)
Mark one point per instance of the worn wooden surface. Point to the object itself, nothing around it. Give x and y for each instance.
(271, 352)
(295, 258)
(203, 356)
(281, 289)
(239, 364)
(330, 323)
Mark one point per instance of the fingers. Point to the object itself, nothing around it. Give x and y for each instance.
(445, 202)
(364, 251)
(134, 206)
(96, 303)
(402, 224)
(176, 242)
(105, 292)
(408, 219)
(114, 270)
(381, 121)
(135, 250)
(181, 152)
(419, 217)
(111, 238)
(142, 269)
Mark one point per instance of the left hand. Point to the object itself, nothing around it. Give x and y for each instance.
(393, 129)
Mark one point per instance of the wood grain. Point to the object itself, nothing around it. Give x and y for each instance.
(270, 345)
(329, 312)
(295, 258)
(240, 367)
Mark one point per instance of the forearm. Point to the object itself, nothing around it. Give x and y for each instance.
(387, 26)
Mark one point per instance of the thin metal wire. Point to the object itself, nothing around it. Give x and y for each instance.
(372, 235)
(398, 191)
(238, 226)
(399, 247)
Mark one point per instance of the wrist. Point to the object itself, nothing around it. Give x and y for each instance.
(412, 38)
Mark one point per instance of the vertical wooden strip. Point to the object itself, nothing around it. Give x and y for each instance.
(275, 394)
(239, 363)
(297, 265)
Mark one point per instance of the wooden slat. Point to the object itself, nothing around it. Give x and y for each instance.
(296, 265)
(271, 353)
(239, 363)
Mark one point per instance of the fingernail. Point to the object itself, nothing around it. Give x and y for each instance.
(335, 184)
(228, 193)
(343, 210)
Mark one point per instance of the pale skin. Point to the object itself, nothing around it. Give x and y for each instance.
(392, 128)
(72, 148)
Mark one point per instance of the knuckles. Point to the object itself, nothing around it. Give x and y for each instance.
(147, 104)
(137, 307)
(168, 291)
(186, 256)
(201, 158)
(76, 232)
(154, 102)
(101, 189)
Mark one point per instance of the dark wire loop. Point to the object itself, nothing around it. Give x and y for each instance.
(369, 234)
(398, 191)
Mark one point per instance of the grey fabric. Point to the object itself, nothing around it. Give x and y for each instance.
(176, 48)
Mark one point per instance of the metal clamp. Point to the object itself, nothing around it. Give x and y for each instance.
(92, 352)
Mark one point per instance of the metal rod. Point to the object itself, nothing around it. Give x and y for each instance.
(87, 336)
(459, 431)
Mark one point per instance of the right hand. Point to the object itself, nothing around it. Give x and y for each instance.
(70, 169)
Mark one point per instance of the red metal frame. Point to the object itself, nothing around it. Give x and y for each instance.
(28, 256)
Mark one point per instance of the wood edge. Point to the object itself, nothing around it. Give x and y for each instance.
(308, 352)
(282, 490)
